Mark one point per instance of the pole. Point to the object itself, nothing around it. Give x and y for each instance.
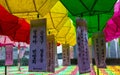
(98, 22)
(98, 31)
(5, 65)
(19, 60)
(97, 71)
(5, 70)
(19, 56)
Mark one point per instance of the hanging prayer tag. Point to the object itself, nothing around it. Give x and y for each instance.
(37, 56)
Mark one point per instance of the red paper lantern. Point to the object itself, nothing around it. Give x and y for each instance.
(58, 44)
